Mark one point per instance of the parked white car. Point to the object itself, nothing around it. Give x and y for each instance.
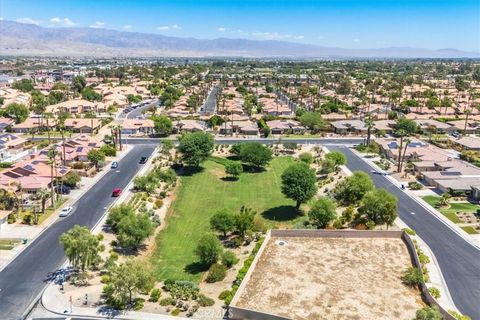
(65, 211)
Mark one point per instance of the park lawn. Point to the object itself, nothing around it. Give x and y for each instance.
(469, 230)
(454, 207)
(201, 195)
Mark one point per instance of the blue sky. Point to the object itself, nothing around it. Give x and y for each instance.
(340, 23)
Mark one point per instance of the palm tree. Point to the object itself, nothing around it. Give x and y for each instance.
(52, 153)
(369, 124)
(467, 113)
(15, 192)
(43, 195)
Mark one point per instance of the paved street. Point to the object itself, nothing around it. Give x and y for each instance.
(458, 260)
(210, 104)
(324, 141)
(22, 280)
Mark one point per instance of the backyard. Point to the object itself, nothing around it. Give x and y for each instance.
(202, 194)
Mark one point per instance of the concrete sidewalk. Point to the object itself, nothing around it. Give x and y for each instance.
(30, 233)
(434, 271)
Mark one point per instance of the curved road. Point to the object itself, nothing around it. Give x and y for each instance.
(22, 280)
(458, 259)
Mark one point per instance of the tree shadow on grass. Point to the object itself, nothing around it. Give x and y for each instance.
(188, 171)
(195, 268)
(252, 169)
(280, 213)
(227, 179)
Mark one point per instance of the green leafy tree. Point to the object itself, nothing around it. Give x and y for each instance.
(24, 85)
(133, 229)
(195, 147)
(312, 121)
(404, 128)
(71, 179)
(208, 249)
(234, 169)
(322, 212)
(428, 313)
(18, 112)
(126, 280)
(255, 154)
(379, 206)
(116, 214)
(298, 183)
(222, 221)
(244, 221)
(95, 156)
(353, 188)
(163, 125)
(91, 95)
(167, 145)
(79, 83)
(338, 158)
(81, 247)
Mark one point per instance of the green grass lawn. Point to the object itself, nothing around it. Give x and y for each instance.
(454, 207)
(8, 244)
(202, 194)
(469, 230)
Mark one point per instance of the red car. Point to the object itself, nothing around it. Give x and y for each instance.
(116, 192)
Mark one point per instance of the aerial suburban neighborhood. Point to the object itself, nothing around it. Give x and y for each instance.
(145, 176)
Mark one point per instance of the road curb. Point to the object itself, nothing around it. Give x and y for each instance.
(459, 231)
(47, 226)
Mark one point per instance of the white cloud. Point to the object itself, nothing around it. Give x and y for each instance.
(127, 26)
(276, 36)
(98, 25)
(1, 18)
(62, 22)
(172, 27)
(28, 21)
(356, 40)
(221, 29)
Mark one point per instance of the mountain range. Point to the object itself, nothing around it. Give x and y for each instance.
(20, 39)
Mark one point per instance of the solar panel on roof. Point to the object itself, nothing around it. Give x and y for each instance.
(393, 145)
(79, 149)
(29, 167)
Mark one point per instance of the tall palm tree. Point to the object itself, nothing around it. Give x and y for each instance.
(369, 124)
(43, 195)
(52, 153)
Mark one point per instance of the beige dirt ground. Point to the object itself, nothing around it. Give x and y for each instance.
(326, 278)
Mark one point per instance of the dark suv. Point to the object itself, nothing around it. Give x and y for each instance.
(143, 160)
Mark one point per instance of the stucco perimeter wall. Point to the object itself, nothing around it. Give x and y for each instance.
(426, 294)
(237, 313)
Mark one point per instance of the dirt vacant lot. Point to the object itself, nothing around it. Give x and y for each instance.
(332, 278)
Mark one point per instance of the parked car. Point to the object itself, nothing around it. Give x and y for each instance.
(116, 192)
(143, 160)
(65, 211)
(114, 165)
(62, 189)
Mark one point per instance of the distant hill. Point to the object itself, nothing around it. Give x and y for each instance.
(19, 39)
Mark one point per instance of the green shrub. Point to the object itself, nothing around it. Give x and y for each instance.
(158, 203)
(424, 259)
(204, 301)
(412, 277)
(229, 259)
(224, 294)
(428, 313)
(414, 185)
(166, 302)
(155, 295)
(175, 312)
(459, 316)
(11, 218)
(410, 231)
(306, 157)
(434, 292)
(28, 219)
(217, 272)
(138, 304)
(183, 290)
(105, 279)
